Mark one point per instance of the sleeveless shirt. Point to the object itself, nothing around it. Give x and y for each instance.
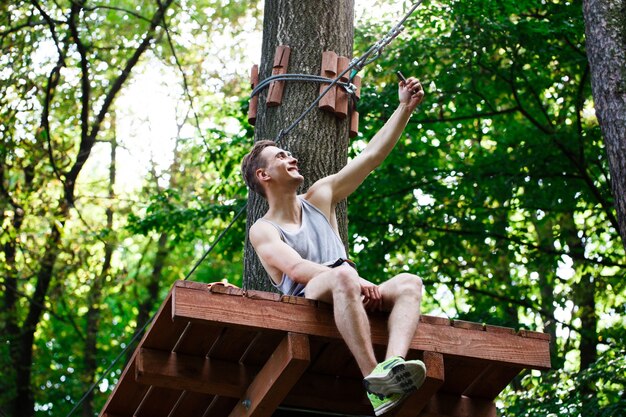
(315, 241)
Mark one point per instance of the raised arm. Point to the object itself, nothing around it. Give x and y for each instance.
(346, 181)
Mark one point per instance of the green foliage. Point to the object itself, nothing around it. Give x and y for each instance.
(497, 196)
(596, 391)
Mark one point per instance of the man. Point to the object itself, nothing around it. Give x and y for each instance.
(297, 242)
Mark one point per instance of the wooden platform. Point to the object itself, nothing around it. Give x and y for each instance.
(215, 352)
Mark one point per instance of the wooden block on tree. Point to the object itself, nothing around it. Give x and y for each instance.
(254, 101)
(281, 62)
(342, 98)
(354, 123)
(329, 70)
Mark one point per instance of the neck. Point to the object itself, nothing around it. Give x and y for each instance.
(284, 208)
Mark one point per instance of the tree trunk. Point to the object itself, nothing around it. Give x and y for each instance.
(605, 31)
(547, 274)
(320, 141)
(95, 293)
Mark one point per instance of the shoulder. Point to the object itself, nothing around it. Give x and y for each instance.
(320, 194)
(262, 231)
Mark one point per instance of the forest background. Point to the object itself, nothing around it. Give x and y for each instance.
(123, 124)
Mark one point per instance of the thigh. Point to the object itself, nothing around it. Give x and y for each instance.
(321, 287)
(390, 290)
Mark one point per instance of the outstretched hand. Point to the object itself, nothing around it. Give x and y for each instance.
(410, 92)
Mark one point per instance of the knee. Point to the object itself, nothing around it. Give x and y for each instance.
(409, 285)
(347, 281)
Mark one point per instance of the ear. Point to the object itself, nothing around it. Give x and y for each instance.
(262, 175)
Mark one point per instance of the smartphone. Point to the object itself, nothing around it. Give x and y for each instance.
(400, 76)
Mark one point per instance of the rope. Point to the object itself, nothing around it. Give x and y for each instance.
(355, 66)
(300, 77)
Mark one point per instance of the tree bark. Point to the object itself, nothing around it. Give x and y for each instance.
(605, 31)
(320, 141)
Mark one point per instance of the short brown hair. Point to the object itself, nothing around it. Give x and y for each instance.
(253, 161)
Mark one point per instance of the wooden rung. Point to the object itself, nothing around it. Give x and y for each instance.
(534, 335)
(281, 62)
(329, 70)
(499, 329)
(354, 123)
(435, 320)
(357, 83)
(262, 295)
(254, 101)
(468, 325)
(342, 98)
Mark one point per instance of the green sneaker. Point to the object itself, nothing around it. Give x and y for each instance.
(384, 403)
(396, 376)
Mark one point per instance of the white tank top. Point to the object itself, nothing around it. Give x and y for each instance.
(315, 241)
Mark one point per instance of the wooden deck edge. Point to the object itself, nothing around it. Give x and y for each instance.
(229, 289)
(199, 304)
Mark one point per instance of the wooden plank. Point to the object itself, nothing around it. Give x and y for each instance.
(335, 359)
(261, 314)
(191, 373)
(468, 325)
(442, 321)
(198, 339)
(534, 335)
(159, 402)
(220, 406)
(163, 333)
(233, 343)
(415, 403)
(461, 373)
(499, 329)
(276, 378)
(492, 381)
(261, 348)
(192, 404)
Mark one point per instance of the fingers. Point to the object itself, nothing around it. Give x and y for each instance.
(373, 299)
(414, 86)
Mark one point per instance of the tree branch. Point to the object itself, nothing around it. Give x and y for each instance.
(88, 138)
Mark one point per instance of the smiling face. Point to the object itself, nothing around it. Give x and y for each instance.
(280, 168)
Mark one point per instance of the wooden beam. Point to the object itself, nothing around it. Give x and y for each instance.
(492, 381)
(417, 401)
(192, 373)
(200, 305)
(276, 378)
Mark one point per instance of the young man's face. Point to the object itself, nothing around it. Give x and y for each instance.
(280, 165)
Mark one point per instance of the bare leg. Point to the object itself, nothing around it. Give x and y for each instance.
(340, 286)
(402, 295)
